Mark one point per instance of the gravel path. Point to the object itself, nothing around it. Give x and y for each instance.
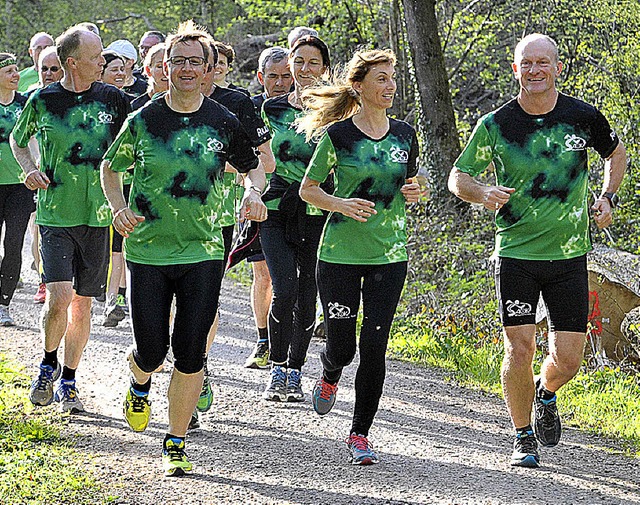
(438, 443)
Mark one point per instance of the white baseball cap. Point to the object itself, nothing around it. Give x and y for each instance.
(124, 48)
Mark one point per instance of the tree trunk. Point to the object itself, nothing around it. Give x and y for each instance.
(437, 118)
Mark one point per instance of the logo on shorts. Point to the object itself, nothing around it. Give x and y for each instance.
(214, 145)
(337, 311)
(517, 308)
(262, 131)
(574, 143)
(399, 155)
(105, 117)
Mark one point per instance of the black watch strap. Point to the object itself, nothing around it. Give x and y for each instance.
(612, 197)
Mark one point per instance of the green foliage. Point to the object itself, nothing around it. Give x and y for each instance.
(36, 466)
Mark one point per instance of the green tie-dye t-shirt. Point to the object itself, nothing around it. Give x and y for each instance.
(178, 161)
(74, 131)
(291, 151)
(10, 170)
(545, 159)
(374, 170)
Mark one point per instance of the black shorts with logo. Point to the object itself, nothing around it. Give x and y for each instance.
(76, 253)
(563, 284)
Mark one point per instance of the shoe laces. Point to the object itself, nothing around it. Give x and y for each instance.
(294, 377)
(46, 377)
(326, 390)
(138, 403)
(278, 377)
(359, 443)
(175, 451)
(547, 411)
(68, 389)
(526, 442)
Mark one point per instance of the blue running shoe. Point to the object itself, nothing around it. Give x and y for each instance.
(67, 396)
(41, 392)
(294, 386)
(525, 451)
(323, 396)
(362, 452)
(276, 390)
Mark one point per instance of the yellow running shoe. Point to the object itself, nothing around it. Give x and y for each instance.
(174, 459)
(137, 410)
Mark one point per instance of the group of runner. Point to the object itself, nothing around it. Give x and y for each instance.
(173, 176)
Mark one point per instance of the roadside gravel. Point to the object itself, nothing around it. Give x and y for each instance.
(438, 443)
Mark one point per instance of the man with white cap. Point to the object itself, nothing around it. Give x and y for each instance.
(134, 85)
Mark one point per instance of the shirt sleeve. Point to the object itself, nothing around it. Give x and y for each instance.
(121, 153)
(478, 153)
(254, 125)
(324, 159)
(412, 163)
(241, 153)
(603, 138)
(27, 123)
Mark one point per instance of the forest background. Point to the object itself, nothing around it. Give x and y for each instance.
(453, 66)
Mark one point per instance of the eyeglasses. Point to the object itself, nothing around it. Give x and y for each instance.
(180, 61)
(46, 69)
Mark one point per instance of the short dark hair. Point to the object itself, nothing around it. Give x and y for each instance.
(227, 50)
(109, 56)
(153, 33)
(310, 40)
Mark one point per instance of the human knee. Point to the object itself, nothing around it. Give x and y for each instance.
(519, 349)
(149, 362)
(188, 363)
(59, 297)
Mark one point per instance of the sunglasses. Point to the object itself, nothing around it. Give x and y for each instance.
(46, 69)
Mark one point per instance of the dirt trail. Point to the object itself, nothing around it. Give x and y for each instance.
(438, 443)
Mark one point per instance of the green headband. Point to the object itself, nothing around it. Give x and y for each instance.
(7, 62)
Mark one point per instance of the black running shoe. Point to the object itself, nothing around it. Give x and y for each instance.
(525, 451)
(546, 421)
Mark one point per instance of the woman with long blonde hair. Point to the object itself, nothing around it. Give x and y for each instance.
(362, 253)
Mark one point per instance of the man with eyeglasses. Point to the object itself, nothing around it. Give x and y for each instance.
(178, 145)
(75, 119)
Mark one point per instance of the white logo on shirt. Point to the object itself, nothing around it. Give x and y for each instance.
(517, 308)
(105, 117)
(574, 143)
(214, 145)
(399, 155)
(337, 311)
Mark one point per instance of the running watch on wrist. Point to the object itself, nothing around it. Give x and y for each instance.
(612, 197)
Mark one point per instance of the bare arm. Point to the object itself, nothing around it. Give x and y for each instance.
(252, 206)
(468, 189)
(124, 219)
(265, 155)
(355, 208)
(614, 168)
(35, 179)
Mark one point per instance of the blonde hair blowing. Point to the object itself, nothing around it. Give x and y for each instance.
(325, 105)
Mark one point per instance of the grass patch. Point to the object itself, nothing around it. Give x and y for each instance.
(36, 466)
(605, 402)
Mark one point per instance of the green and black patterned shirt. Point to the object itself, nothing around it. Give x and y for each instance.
(178, 163)
(374, 170)
(74, 131)
(545, 159)
(10, 170)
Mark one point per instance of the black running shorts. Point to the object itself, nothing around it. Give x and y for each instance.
(79, 254)
(563, 284)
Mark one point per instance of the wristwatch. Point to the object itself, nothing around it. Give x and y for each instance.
(612, 197)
